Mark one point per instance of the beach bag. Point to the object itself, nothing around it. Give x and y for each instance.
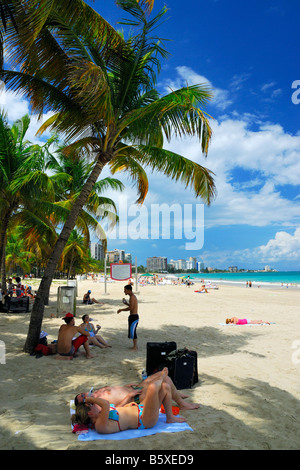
(42, 350)
(156, 354)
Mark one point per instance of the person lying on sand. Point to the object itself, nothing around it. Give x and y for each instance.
(107, 418)
(123, 394)
(66, 345)
(245, 321)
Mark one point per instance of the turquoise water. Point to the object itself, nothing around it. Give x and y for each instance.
(261, 278)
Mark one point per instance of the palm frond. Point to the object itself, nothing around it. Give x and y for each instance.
(181, 169)
(127, 163)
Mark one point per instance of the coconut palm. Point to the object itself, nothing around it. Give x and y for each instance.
(17, 255)
(23, 182)
(105, 102)
(75, 247)
(70, 172)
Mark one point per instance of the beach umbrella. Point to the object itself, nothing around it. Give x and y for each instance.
(147, 274)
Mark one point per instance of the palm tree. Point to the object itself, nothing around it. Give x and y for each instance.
(16, 254)
(23, 181)
(70, 172)
(75, 247)
(105, 102)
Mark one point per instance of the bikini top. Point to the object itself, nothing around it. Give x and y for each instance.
(114, 414)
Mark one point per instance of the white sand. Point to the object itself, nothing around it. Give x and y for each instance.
(248, 375)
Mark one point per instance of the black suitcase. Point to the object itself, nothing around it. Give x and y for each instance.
(156, 354)
(182, 365)
(194, 354)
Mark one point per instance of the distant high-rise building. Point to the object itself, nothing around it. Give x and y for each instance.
(128, 258)
(200, 266)
(233, 269)
(114, 256)
(97, 251)
(157, 264)
(193, 262)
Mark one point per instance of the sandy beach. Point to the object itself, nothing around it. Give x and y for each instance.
(248, 387)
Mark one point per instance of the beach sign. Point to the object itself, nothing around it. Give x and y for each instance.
(120, 271)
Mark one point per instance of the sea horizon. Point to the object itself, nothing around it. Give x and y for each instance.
(270, 278)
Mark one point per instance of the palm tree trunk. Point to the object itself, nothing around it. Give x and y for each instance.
(3, 240)
(71, 264)
(43, 291)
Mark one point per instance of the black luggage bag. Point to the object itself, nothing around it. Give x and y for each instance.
(156, 355)
(183, 369)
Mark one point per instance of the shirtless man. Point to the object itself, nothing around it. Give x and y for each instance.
(66, 346)
(133, 318)
(123, 394)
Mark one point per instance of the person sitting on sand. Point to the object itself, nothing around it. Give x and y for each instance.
(245, 321)
(121, 395)
(87, 299)
(203, 290)
(108, 418)
(66, 345)
(94, 337)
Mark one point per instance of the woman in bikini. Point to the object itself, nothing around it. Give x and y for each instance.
(245, 321)
(107, 418)
(94, 337)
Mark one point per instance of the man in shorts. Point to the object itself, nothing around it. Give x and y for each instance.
(66, 345)
(133, 318)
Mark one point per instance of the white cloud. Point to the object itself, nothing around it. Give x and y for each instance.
(14, 105)
(186, 76)
(283, 247)
(271, 158)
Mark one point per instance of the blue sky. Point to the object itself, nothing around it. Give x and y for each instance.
(248, 52)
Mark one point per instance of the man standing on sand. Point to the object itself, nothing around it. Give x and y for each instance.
(133, 318)
(66, 345)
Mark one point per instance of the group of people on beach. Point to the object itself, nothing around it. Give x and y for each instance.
(132, 406)
(16, 288)
(68, 344)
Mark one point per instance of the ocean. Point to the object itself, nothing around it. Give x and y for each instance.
(271, 279)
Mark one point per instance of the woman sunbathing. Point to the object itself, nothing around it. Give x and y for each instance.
(245, 321)
(107, 419)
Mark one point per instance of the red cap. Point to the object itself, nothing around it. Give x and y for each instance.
(69, 315)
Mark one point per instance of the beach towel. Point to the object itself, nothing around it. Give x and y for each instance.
(87, 434)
